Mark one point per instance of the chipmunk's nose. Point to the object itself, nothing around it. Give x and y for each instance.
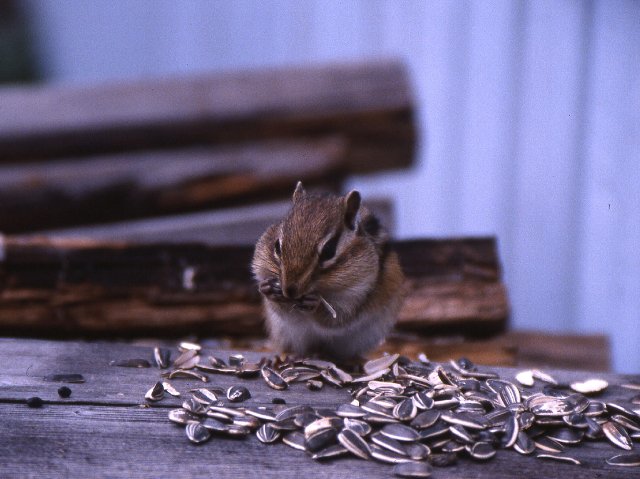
(291, 292)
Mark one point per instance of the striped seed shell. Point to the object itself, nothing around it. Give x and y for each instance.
(354, 444)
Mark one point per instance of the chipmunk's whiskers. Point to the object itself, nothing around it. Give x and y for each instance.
(332, 311)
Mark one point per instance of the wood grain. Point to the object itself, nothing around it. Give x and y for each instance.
(62, 193)
(239, 225)
(370, 105)
(101, 431)
(76, 287)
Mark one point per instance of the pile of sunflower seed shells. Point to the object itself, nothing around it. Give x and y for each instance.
(412, 414)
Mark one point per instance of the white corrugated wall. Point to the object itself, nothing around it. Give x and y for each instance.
(529, 116)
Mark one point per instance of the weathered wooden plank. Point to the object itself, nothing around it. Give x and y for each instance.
(369, 104)
(90, 441)
(538, 349)
(586, 351)
(146, 184)
(27, 362)
(110, 438)
(76, 287)
(228, 226)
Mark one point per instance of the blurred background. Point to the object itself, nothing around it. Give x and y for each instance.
(528, 116)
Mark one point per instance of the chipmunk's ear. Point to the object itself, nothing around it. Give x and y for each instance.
(352, 205)
(299, 192)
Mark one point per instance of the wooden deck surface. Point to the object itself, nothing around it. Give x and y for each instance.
(104, 429)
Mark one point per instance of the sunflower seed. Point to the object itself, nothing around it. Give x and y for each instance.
(204, 396)
(549, 445)
(188, 346)
(215, 425)
(328, 307)
(422, 400)
(261, 413)
(436, 430)
(577, 420)
(330, 452)
(425, 419)
(236, 360)
(590, 386)
(182, 416)
(354, 444)
(511, 431)
(342, 375)
(238, 394)
(626, 460)
(412, 469)
(524, 444)
(248, 421)
(614, 408)
(385, 455)
(168, 387)
(292, 411)
(185, 373)
(542, 376)
(405, 410)
(320, 439)
(318, 363)
(322, 424)
(372, 376)
(349, 410)
(595, 408)
(443, 459)
(194, 406)
(400, 432)
(375, 365)
(526, 419)
(481, 451)
(525, 377)
(162, 357)
(248, 370)
(361, 428)
(314, 385)
(565, 435)
(417, 451)
(452, 446)
(235, 430)
(156, 393)
(186, 360)
(567, 459)
(617, 435)
(461, 434)
(288, 424)
(197, 433)
(627, 422)
(273, 379)
(542, 405)
(594, 430)
(217, 362)
(388, 443)
(268, 434)
(466, 420)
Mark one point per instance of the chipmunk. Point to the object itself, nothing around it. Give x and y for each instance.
(330, 282)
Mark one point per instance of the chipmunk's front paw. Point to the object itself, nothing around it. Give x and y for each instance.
(309, 302)
(271, 289)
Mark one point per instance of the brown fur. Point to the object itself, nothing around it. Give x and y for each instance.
(363, 281)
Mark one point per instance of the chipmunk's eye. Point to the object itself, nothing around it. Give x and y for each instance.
(329, 249)
(277, 248)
